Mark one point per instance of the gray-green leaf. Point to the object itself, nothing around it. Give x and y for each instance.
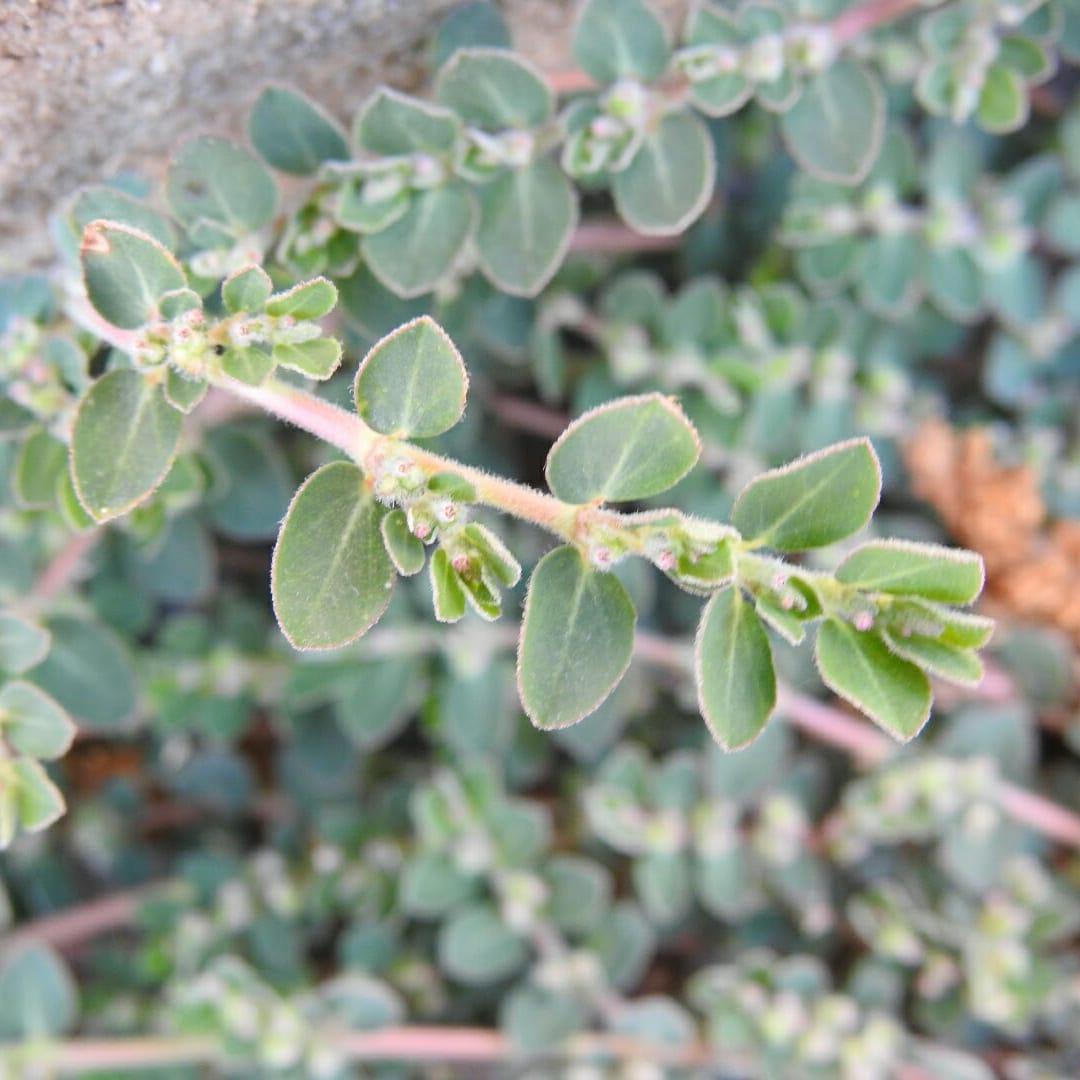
(670, 179)
(331, 578)
(859, 667)
(123, 443)
(911, 569)
(577, 635)
(413, 383)
(293, 134)
(126, 273)
(815, 501)
(835, 129)
(734, 669)
(527, 217)
(32, 722)
(624, 450)
(494, 89)
(620, 39)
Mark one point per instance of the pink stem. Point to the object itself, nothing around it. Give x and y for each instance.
(614, 238)
(66, 564)
(857, 21)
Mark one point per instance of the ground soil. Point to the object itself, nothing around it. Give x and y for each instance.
(91, 87)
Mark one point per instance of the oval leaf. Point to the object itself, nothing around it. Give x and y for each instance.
(294, 135)
(22, 644)
(577, 635)
(670, 179)
(860, 668)
(392, 124)
(123, 443)
(413, 383)
(126, 273)
(816, 500)
(89, 674)
(414, 253)
(32, 722)
(331, 578)
(476, 947)
(214, 180)
(628, 449)
(733, 666)
(904, 568)
(527, 217)
(494, 89)
(620, 39)
(835, 128)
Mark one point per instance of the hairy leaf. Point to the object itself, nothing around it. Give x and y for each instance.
(331, 578)
(577, 634)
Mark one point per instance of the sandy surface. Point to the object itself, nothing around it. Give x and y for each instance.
(91, 87)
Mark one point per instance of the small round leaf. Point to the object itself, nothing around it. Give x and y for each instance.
(413, 383)
(331, 578)
(625, 450)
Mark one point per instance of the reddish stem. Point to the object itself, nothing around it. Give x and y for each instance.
(857, 21)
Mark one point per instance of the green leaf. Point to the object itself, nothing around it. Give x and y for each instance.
(108, 204)
(252, 482)
(835, 129)
(213, 180)
(317, 359)
(32, 722)
(888, 274)
(89, 674)
(627, 449)
(249, 365)
(946, 661)
(910, 569)
(714, 94)
(537, 1020)
(126, 273)
(413, 383)
(42, 458)
(495, 554)
(670, 179)
(733, 666)
(447, 592)
(293, 134)
(527, 218)
(413, 254)
(479, 23)
(476, 948)
(123, 443)
(815, 501)
(331, 578)
(577, 635)
(859, 667)
(14, 419)
(432, 886)
(405, 550)
(375, 705)
(38, 800)
(392, 124)
(373, 308)
(246, 290)
(580, 893)
(183, 393)
(663, 885)
(620, 39)
(179, 302)
(1003, 103)
(38, 996)
(308, 300)
(494, 89)
(22, 644)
